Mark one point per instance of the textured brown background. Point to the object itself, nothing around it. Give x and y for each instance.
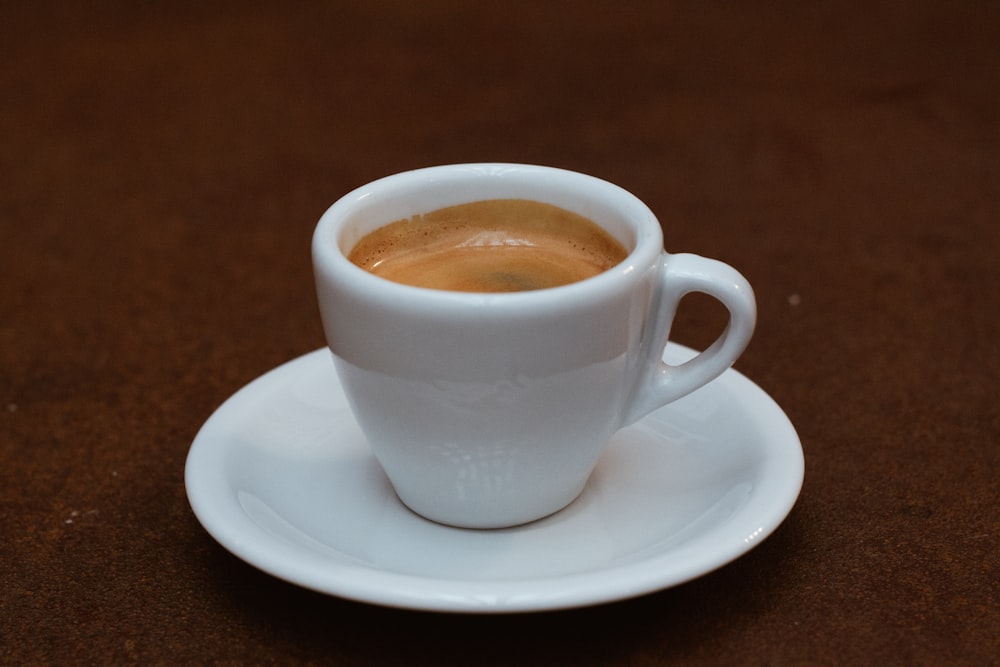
(161, 169)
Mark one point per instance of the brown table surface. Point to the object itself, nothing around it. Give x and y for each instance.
(162, 166)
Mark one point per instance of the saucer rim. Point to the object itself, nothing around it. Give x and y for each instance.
(234, 530)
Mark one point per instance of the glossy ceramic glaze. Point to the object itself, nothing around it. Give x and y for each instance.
(491, 410)
(282, 476)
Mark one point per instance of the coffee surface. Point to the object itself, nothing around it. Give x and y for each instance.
(499, 245)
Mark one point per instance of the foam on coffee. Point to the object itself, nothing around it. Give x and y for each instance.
(499, 245)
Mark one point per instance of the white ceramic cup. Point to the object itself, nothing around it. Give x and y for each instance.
(491, 410)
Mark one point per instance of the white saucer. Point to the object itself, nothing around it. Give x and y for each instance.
(281, 476)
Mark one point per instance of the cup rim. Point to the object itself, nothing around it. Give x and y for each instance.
(330, 259)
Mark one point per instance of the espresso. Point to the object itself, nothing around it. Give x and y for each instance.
(499, 245)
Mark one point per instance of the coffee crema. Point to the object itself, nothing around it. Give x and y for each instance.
(497, 245)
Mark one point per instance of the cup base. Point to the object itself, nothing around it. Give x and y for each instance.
(476, 519)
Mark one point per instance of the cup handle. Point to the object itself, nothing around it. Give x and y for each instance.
(660, 383)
